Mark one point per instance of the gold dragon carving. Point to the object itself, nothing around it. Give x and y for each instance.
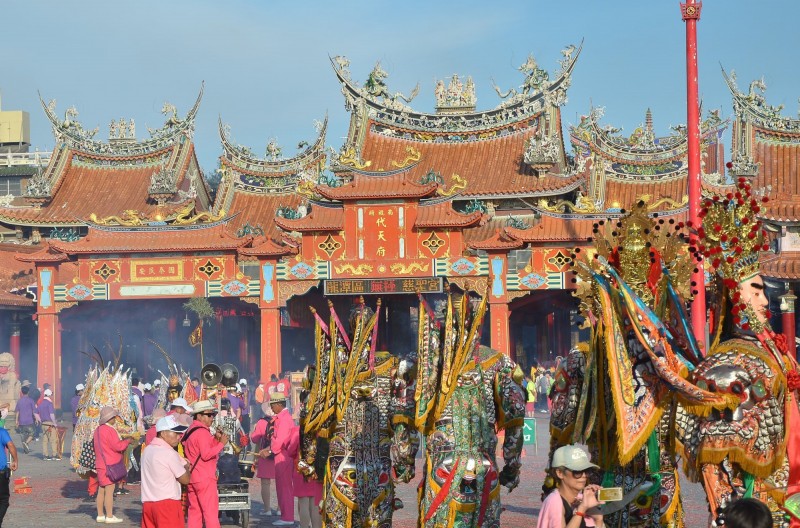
(663, 201)
(306, 188)
(457, 183)
(129, 217)
(401, 269)
(184, 216)
(362, 269)
(412, 156)
(351, 159)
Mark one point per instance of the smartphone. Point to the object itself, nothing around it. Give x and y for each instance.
(609, 494)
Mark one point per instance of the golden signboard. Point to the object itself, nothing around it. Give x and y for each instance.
(157, 270)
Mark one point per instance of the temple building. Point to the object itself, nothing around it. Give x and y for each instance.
(113, 237)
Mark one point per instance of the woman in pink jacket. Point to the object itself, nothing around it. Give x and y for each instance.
(308, 491)
(265, 465)
(108, 448)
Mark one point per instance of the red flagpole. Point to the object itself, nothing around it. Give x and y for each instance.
(690, 12)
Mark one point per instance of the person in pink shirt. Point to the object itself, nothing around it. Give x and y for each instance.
(108, 448)
(202, 450)
(308, 491)
(265, 465)
(284, 462)
(163, 472)
(573, 503)
(151, 433)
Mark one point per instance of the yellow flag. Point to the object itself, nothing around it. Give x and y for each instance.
(196, 337)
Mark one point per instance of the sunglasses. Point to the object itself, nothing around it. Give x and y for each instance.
(207, 414)
(577, 474)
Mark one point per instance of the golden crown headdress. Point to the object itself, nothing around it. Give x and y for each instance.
(637, 245)
(731, 235)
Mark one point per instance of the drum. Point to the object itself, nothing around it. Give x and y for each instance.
(247, 466)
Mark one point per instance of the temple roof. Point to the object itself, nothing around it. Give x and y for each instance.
(363, 187)
(264, 247)
(556, 229)
(15, 276)
(499, 240)
(443, 215)
(214, 237)
(86, 176)
(785, 266)
(319, 219)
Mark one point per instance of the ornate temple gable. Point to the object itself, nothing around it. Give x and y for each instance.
(501, 240)
(322, 217)
(752, 107)
(273, 172)
(442, 215)
(122, 134)
(374, 102)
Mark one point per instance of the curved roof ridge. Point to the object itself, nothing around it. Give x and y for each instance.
(71, 132)
(755, 105)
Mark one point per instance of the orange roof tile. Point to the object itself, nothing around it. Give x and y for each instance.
(263, 247)
(778, 168)
(784, 266)
(491, 167)
(15, 275)
(443, 215)
(83, 190)
(556, 229)
(319, 219)
(625, 193)
(151, 241)
(259, 209)
(364, 187)
(500, 240)
(46, 253)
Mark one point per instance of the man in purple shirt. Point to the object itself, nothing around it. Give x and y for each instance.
(76, 400)
(148, 400)
(236, 405)
(27, 416)
(47, 413)
(244, 395)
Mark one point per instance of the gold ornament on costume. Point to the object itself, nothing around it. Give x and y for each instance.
(731, 235)
(636, 245)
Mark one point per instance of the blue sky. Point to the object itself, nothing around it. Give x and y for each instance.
(266, 69)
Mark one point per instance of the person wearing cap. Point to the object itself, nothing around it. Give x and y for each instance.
(573, 503)
(47, 413)
(179, 406)
(149, 400)
(26, 416)
(244, 395)
(202, 449)
(265, 464)
(284, 462)
(75, 403)
(236, 402)
(156, 416)
(108, 448)
(163, 472)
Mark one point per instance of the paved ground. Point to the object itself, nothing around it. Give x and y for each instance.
(57, 493)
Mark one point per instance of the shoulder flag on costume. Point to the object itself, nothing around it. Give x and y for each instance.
(196, 337)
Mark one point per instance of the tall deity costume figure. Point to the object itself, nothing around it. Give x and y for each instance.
(466, 393)
(361, 401)
(752, 450)
(635, 364)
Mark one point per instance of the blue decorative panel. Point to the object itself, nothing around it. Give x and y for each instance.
(462, 266)
(45, 280)
(498, 277)
(79, 292)
(532, 280)
(301, 270)
(235, 287)
(268, 271)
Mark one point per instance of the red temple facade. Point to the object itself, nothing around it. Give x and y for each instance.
(121, 232)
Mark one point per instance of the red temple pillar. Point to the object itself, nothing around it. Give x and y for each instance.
(270, 342)
(13, 344)
(787, 318)
(49, 364)
(499, 314)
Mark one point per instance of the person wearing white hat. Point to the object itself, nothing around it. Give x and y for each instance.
(244, 395)
(163, 472)
(573, 503)
(179, 406)
(284, 461)
(75, 403)
(202, 449)
(149, 400)
(47, 413)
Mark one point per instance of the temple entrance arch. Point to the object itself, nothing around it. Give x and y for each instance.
(543, 327)
(232, 335)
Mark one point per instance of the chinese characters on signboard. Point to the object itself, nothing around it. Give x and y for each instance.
(156, 270)
(382, 286)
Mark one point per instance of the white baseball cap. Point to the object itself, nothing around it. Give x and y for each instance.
(571, 457)
(180, 402)
(48, 392)
(170, 423)
(156, 383)
(79, 386)
(242, 381)
(147, 386)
